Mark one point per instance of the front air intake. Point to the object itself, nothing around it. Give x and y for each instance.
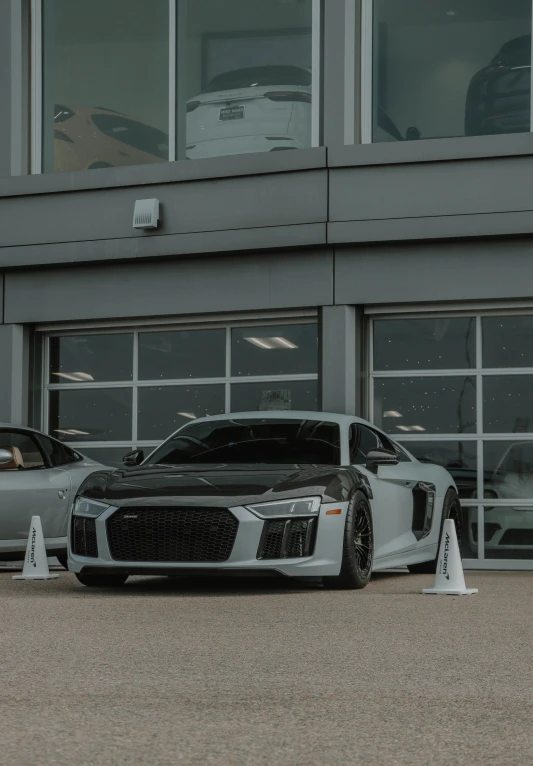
(172, 534)
(287, 539)
(84, 537)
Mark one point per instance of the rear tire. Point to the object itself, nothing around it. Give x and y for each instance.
(102, 580)
(451, 510)
(358, 547)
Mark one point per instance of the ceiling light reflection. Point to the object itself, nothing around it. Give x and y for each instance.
(77, 377)
(270, 344)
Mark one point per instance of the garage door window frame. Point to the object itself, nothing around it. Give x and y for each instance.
(302, 318)
(478, 437)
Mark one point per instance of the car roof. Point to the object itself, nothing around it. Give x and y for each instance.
(331, 417)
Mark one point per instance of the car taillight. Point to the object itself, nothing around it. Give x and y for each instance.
(289, 95)
(192, 105)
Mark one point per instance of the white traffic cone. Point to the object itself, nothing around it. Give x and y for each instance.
(35, 562)
(450, 580)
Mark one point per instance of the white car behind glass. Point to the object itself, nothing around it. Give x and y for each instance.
(258, 109)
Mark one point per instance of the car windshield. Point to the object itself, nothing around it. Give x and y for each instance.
(263, 441)
(259, 77)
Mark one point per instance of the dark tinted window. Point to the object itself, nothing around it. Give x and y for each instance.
(363, 440)
(91, 358)
(264, 441)
(133, 133)
(259, 77)
(57, 453)
(26, 444)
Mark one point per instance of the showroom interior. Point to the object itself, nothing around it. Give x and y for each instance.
(345, 224)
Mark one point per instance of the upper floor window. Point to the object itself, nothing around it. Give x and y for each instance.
(127, 82)
(447, 68)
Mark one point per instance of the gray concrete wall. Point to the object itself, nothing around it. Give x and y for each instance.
(435, 272)
(203, 285)
(5, 88)
(237, 212)
(14, 374)
(450, 188)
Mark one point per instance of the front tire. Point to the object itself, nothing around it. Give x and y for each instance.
(102, 580)
(451, 509)
(358, 547)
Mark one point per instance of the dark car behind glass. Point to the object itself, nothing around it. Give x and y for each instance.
(499, 96)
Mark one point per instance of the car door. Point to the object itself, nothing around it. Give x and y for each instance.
(392, 489)
(35, 489)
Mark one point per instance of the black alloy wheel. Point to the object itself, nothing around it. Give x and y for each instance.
(358, 547)
(101, 580)
(451, 510)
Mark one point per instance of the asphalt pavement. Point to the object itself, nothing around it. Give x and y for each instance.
(230, 672)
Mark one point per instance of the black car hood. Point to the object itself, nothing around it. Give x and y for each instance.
(218, 486)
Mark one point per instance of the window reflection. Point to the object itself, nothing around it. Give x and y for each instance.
(444, 405)
(509, 470)
(91, 415)
(91, 358)
(425, 344)
(507, 341)
(249, 76)
(508, 532)
(450, 69)
(507, 403)
(105, 83)
(163, 410)
(182, 354)
(459, 458)
(276, 350)
(286, 395)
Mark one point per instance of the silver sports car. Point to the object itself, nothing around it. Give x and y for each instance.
(39, 476)
(301, 494)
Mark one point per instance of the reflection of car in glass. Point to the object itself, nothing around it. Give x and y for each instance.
(39, 476)
(301, 494)
(258, 109)
(499, 96)
(511, 527)
(97, 138)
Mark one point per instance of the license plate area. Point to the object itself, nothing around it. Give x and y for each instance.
(231, 113)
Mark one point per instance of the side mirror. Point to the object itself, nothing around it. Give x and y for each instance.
(5, 457)
(133, 458)
(377, 457)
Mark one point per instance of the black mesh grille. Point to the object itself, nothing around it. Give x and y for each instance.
(287, 539)
(84, 537)
(171, 534)
(272, 540)
(517, 537)
(297, 538)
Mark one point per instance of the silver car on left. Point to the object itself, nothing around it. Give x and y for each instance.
(39, 476)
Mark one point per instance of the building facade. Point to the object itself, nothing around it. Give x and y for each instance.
(345, 223)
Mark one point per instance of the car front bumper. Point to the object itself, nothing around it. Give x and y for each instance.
(325, 558)
(506, 528)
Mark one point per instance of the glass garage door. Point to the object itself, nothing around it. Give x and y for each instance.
(458, 391)
(108, 392)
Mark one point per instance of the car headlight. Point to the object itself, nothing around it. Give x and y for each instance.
(89, 508)
(299, 506)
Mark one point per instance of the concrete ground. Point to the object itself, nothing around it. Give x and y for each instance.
(169, 672)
